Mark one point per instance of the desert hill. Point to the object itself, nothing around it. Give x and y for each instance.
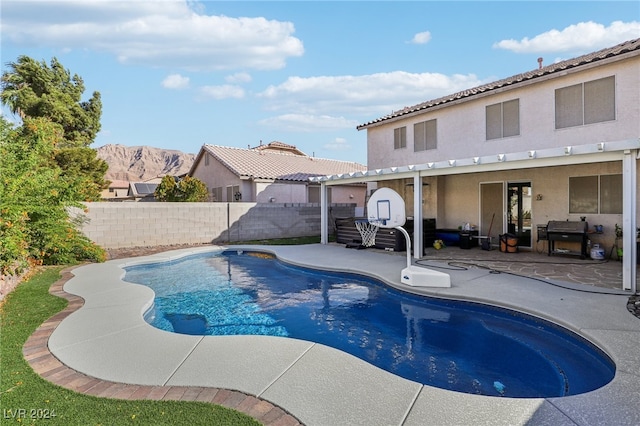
(139, 163)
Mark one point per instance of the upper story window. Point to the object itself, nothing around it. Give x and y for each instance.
(503, 119)
(586, 103)
(400, 138)
(206, 159)
(425, 135)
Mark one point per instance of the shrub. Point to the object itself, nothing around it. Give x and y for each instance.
(34, 196)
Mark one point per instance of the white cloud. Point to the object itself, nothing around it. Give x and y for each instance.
(362, 95)
(308, 123)
(175, 81)
(240, 77)
(225, 91)
(581, 37)
(339, 144)
(155, 33)
(421, 38)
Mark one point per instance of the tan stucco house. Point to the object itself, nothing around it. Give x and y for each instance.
(559, 143)
(272, 173)
(117, 190)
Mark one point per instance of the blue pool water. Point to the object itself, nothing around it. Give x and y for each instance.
(460, 346)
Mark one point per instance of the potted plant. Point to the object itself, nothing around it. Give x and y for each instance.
(619, 251)
(618, 231)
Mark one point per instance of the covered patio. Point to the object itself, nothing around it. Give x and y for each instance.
(625, 153)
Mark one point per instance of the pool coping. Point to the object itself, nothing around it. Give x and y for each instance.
(107, 339)
(36, 352)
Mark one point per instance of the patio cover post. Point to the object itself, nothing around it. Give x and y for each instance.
(324, 217)
(629, 221)
(417, 217)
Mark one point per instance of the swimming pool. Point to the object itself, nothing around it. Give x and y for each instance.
(460, 346)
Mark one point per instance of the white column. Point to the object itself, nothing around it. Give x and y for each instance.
(629, 225)
(324, 217)
(417, 217)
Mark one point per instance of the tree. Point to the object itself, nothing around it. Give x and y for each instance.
(187, 190)
(82, 168)
(34, 222)
(33, 89)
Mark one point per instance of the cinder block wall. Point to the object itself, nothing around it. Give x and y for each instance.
(144, 224)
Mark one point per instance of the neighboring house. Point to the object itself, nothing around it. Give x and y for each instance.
(116, 191)
(558, 143)
(275, 172)
(143, 191)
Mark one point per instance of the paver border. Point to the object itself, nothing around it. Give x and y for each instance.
(36, 352)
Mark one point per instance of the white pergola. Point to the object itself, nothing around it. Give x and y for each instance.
(626, 151)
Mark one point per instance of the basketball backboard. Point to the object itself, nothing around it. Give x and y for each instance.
(386, 208)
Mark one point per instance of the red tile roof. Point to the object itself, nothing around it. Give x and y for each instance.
(266, 164)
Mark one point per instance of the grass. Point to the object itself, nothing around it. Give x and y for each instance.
(23, 310)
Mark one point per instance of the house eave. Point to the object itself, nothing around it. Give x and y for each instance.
(568, 155)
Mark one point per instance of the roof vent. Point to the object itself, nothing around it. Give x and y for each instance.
(540, 63)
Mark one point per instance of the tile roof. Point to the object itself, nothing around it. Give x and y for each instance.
(279, 146)
(119, 183)
(622, 48)
(265, 164)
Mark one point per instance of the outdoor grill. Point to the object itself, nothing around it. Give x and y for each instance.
(567, 231)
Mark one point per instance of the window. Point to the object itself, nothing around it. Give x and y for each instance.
(425, 135)
(206, 159)
(313, 194)
(586, 103)
(216, 194)
(611, 194)
(503, 119)
(595, 194)
(400, 138)
(233, 193)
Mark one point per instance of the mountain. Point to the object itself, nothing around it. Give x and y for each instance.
(139, 163)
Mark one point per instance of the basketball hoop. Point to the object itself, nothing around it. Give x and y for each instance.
(368, 231)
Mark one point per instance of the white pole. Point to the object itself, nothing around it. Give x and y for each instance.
(324, 228)
(629, 222)
(418, 244)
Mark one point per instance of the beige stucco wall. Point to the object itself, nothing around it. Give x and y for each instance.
(349, 194)
(461, 127)
(215, 175)
(455, 199)
(282, 192)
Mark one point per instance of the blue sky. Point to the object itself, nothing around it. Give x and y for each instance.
(179, 74)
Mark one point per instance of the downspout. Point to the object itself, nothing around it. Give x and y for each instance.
(629, 222)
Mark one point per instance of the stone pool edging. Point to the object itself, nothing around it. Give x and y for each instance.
(46, 365)
(342, 389)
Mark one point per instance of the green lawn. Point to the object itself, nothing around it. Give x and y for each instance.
(24, 309)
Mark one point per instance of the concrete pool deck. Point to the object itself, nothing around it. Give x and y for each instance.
(107, 339)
